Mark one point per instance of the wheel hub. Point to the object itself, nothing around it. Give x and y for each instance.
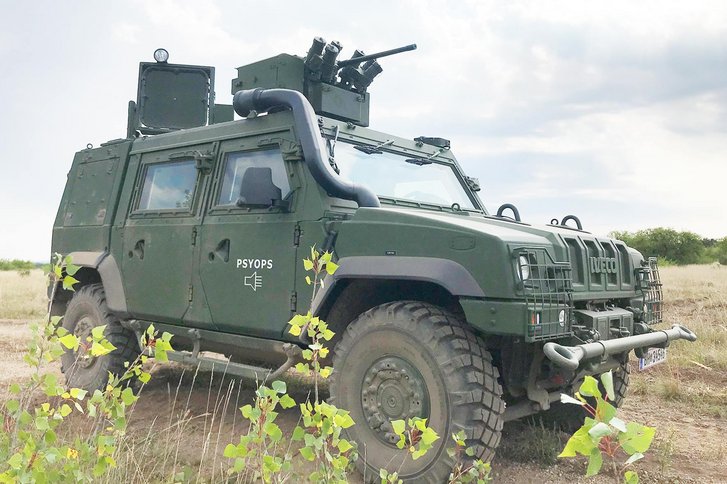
(392, 390)
(83, 331)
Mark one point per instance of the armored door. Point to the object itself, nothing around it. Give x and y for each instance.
(247, 244)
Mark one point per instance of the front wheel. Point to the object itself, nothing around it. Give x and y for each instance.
(410, 359)
(87, 310)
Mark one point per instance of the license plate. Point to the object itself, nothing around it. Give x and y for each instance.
(653, 356)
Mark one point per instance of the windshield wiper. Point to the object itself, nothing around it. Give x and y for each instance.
(428, 159)
(374, 150)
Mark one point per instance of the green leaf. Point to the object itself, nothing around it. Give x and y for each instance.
(307, 453)
(70, 341)
(273, 431)
(298, 434)
(69, 282)
(98, 349)
(12, 406)
(331, 267)
(630, 477)
(344, 445)
(605, 412)
(344, 420)
(580, 442)
(287, 402)
(302, 368)
(230, 451)
(14, 389)
(595, 461)
(307, 264)
(65, 410)
(637, 438)
(97, 332)
(398, 426)
(71, 269)
(78, 393)
(328, 335)
(590, 388)
(634, 458)
(607, 380)
(418, 453)
(144, 377)
(127, 396)
(307, 280)
(599, 431)
(429, 436)
(16, 461)
(246, 410)
(279, 386)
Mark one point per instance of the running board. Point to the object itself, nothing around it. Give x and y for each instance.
(221, 366)
(257, 373)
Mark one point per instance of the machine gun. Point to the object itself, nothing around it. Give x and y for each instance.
(356, 73)
(334, 88)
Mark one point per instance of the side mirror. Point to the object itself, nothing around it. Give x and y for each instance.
(257, 189)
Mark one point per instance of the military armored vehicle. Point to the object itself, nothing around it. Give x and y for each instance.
(198, 222)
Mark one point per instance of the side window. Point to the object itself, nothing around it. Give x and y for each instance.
(247, 173)
(168, 186)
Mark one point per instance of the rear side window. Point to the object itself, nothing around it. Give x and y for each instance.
(237, 163)
(168, 186)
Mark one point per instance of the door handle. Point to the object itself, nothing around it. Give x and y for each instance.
(138, 250)
(222, 251)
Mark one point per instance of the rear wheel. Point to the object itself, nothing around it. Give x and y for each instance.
(87, 310)
(410, 359)
(569, 417)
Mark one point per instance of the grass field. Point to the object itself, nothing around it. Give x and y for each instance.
(22, 294)
(195, 415)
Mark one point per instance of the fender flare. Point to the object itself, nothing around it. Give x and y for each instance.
(108, 269)
(449, 274)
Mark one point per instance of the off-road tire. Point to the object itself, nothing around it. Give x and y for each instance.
(462, 388)
(88, 307)
(569, 418)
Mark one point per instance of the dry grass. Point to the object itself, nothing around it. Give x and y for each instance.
(696, 296)
(22, 296)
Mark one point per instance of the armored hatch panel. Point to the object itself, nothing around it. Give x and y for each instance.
(287, 71)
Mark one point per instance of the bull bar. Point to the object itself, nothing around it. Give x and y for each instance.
(570, 357)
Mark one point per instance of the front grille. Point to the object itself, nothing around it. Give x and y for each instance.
(548, 294)
(651, 288)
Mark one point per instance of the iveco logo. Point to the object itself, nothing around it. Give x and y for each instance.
(603, 265)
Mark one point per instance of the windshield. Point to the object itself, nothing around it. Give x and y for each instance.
(390, 175)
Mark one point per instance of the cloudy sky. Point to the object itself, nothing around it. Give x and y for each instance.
(614, 111)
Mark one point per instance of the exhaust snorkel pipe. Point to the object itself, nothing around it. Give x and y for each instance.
(306, 125)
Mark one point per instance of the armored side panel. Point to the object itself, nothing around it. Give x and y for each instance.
(88, 206)
(288, 72)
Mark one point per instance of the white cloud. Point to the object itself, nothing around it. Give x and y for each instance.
(617, 109)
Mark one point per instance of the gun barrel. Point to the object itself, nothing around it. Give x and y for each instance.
(378, 55)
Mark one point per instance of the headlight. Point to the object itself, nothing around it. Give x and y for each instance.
(523, 268)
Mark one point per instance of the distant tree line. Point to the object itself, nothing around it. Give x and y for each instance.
(675, 247)
(17, 265)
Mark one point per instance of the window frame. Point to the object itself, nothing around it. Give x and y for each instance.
(137, 212)
(215, 208)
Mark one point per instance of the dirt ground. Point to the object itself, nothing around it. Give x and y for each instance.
(189, 406)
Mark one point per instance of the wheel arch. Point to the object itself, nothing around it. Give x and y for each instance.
(95, 267)
(362, 283)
